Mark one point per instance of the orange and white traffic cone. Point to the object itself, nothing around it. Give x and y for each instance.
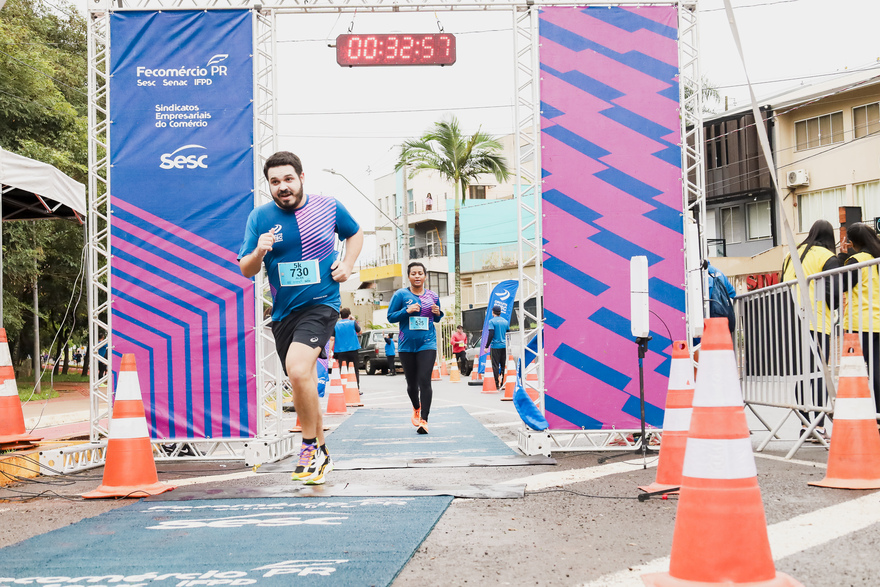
(475, 374)
(854, 456)
(336, 393)
(443, 371)
(676, 420)
(509, 381)
(489, 379)
(454, 373)
(12, 428)
(435, 372)
(129, 468)
(352, 392)
(720, 535)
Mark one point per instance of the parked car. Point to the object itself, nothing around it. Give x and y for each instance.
(372, 354)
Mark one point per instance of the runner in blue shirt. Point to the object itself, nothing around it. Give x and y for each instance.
(497, 344)
(295, 237)
(389, 354)
(416, 309)
(346, 344)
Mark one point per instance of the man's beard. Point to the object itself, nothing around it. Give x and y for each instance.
(297, 200)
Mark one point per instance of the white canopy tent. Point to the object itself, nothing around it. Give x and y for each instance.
(34, 190)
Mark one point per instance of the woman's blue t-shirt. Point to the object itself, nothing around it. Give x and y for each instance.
(414, 340)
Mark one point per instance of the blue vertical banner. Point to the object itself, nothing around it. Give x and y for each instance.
(503, 296)
(182, 181)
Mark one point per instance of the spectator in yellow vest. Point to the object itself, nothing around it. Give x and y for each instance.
(817, 254)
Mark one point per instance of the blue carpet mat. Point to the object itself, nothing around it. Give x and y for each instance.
(331, 541)
(384, 433)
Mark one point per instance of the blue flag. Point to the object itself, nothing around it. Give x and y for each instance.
(503, 295)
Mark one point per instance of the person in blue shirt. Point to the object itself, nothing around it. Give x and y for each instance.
(416, 308)
(389, 354)
(715, 272)
(345, 342)
(294, 236)
(497, 344)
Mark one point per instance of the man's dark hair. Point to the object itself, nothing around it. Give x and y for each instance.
(459, 326)
(280, 159)
(496, 310)
(344, 313)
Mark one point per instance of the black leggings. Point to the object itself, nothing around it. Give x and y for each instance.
(417, 369)
(350, 357)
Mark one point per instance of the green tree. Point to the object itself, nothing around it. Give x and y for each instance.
(43, 115)
(459, 159)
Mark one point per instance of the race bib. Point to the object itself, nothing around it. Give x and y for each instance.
(297, 273)
(418, 323)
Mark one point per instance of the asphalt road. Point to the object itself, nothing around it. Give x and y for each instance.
(585, 528)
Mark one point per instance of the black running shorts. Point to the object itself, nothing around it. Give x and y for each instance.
(312, 326)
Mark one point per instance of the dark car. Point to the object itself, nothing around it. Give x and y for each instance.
(372, 354)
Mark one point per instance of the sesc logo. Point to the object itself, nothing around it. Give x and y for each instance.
(169, 161)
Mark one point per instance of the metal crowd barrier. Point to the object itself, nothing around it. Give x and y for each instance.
(778, 350)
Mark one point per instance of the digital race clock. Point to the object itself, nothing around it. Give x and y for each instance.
(396, 49)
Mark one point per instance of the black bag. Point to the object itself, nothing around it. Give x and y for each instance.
(720, 304)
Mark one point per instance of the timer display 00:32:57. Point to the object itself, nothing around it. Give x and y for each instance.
(395, 49)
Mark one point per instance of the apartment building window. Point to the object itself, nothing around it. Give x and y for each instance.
(385, 253)
(819, 131)
(481, 293)
(732, 224)
(820, 205)
(866, 120)
(410, 204)
(867, 195)
(432, 238)
(439, 282)
(758, 217)
(476, 192)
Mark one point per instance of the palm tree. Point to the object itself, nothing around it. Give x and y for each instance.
(459, 159)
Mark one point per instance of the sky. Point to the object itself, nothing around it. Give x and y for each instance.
(352, 120)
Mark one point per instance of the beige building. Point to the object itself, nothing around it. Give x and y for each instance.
(826, 149)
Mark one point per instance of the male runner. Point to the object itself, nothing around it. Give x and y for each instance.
(295, 237)
(497, 344)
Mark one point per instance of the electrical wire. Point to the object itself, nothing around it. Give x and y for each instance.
(44, 74)
(573, 492)
(398, 111)
(80, 278)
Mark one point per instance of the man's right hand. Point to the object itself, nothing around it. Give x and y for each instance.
(264, 244)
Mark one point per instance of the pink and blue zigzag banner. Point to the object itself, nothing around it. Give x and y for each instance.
(182, 187)
(611, 190)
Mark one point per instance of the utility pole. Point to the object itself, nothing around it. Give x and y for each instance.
(404, 249)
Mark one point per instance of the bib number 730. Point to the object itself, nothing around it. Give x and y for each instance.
(297, 273)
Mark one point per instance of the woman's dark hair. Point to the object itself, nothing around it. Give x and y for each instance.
(416, 264)
(821, 234)
(863, 237)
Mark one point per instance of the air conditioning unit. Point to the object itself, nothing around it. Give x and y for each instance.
(798, 177)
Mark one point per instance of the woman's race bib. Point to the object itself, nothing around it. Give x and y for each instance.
(418, 323)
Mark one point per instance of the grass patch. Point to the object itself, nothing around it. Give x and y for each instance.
(26, 386)
(25, 389)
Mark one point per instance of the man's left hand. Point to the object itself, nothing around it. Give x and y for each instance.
(340, 271)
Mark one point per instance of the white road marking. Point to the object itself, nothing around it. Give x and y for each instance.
(210, 478)
(795, 461)
(786, 538)
(503, 424)
(554, 478)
